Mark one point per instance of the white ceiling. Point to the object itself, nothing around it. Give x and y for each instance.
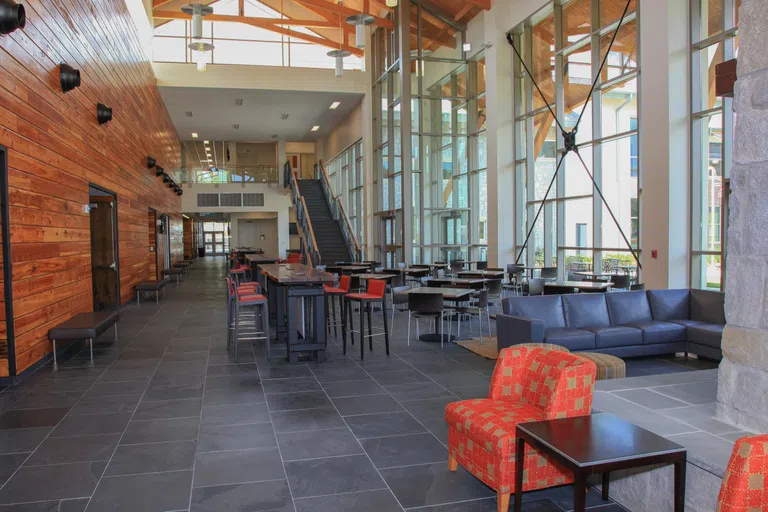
(214, 113)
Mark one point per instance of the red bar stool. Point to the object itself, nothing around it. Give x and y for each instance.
(375, 294)
(330, 296)
(247, 296)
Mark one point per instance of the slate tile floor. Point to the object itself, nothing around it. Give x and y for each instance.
(164, 421)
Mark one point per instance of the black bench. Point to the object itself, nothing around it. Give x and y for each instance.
(84, 326)
(149, 286)
(174, 272)
(184, 266)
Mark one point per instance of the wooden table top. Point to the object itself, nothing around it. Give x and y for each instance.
(447, 293)
(257, 257)
(458, 280)
(295, 273)
(373, 276)
(352, 268)
(581, 285)
(598, 438)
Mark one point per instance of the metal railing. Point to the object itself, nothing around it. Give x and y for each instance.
(338, 212)
(309, 250)
(232, 174)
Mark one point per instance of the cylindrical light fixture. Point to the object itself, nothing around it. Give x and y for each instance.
(12, 16)
(202, 65)
(391, 3)
(197, 11)
(339, 56)
(159, 171)
(201, 55)
(360, 21)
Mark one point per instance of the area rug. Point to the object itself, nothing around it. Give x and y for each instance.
(488, 348)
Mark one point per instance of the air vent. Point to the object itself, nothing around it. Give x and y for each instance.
(239, 102)
(188, 113)
(207, 200)
(284, 117)
(236, 126)
(231, 200)
(253, 199)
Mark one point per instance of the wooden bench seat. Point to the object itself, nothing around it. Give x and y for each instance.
(150, 286)
(84, 326)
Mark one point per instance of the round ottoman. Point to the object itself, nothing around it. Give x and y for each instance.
(608, 367)
(550, 346)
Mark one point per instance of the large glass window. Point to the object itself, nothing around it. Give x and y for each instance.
(563, 46)
(714, 32)
(345, 172)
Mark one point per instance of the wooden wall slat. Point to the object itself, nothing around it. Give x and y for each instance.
(56, 148)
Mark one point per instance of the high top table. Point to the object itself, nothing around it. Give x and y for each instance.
(287, 285)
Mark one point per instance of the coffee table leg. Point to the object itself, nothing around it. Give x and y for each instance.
(579, 492)
(680, 485)
(606, 482)
(519, 463)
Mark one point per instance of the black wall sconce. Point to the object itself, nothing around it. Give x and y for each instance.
(69, 77)
(151, 162)
(12, 16)
(166, 178)
(103, 112)
(180, 192)
(172, 184)
(159, 171)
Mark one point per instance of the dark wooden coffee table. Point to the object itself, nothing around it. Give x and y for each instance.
(599, 443)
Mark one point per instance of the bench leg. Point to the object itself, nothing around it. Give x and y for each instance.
(157, 297)
(138, 298)
(115, 331)
(55, 364)
(90, 342)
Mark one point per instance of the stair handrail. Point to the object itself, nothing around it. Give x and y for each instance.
(306, 232)
(338, 212)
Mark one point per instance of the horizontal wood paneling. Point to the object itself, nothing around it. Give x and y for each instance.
(56, 148)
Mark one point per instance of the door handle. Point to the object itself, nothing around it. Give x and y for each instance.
(113, 266)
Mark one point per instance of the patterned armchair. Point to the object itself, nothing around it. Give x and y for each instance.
(745, 485)
(528, 384)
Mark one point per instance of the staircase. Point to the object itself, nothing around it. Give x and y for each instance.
(328, 234)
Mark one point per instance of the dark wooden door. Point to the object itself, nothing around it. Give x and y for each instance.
(106, 294)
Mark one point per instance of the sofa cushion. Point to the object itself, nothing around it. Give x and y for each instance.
(710, 335)
(547, 308)
(616, 336)
(668, 305)
(585, 310)
(628, 307)
(572, 339)
(687, 323)
(708, 306)
(660, 332)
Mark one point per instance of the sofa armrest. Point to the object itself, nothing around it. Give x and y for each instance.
(511, 330)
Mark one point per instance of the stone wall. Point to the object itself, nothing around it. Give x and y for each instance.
(743, 379)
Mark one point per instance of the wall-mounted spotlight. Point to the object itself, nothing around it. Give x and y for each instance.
(166, 178)
(171, 184)
(103, 113)
(180, 192)
(69, 77)
(151, 162)
(12, 16)
(159, 171)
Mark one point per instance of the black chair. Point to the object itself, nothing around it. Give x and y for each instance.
(399, 295)
(478, 309)
(429, 305)
(457, 266)
(637, 287)
(572, 276)
(535, 287)
(482, 265)
(620, 282)
(420, 265)
(549, 273)
(515, 276)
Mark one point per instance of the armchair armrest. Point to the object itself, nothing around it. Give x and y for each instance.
(511, 330)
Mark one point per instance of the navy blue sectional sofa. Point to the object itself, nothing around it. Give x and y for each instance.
(624, 324)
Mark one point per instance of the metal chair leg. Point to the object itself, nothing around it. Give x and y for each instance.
(409, 328)
(55, 363)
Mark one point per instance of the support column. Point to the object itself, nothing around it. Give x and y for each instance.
(404, 37)
(369, 201)
(742, 393)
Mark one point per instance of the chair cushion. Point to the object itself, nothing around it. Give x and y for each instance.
(362, 296)
(706, 334)
(250, 299)
(572, 339)
(84, 326)
(608, 366)
(491, 423)
(708, 306)
(547, 308)
(585, 310)
(660, 332)
(628, 307)
(616, 336)
(331, 289)
(151, 285)
(669, 304)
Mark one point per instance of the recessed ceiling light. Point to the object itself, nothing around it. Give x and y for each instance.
(335, 105)
(239, 102)
(205, 142)
(194, 135)
(284, 117)
(188, 113)
(315, 128)
(467, 47)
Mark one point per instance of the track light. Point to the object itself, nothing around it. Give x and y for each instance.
(69, 77)
(171, 184)
(166, 178)
(391, 3)
(103, 113)
(159, 171)
(12, 16)
(151, 162)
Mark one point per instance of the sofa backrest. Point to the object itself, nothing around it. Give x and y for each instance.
(628, 307)
(585, 310)
(547, 308)
(708, 306)
(669, 304)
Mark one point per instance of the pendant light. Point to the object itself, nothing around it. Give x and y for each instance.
(197, 11)
(391, 3)
(201, 58)
(360, 21)
(339, 56)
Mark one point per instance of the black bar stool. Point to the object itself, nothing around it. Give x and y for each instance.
(375, 294)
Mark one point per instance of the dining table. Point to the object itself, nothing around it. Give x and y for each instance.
(594, 276)
(449, 294)
(561, 287)
(484, 274)
(459, 282)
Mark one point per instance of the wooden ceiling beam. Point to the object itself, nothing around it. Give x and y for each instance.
(344, 11)
(484, 4)
(156, 4)
(171, 15)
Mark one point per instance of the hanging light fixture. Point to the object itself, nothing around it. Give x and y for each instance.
(201, 58)
(339, 56)
(360, 21)
(197, 11)
(391, 3)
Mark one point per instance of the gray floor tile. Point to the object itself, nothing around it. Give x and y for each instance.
(32, 418)
(168, 409)
(370, 501)
(692, 393)
(399, 377)
(255, 497)
(384, 424)
(701, 417)
(22, 440)
(293, 401)
(273, 386)
(387, 452)
(428, 409)
(9, 463)
(156, 431)
(318, 443)
(107, 404)
(233, 396)
(235, 414)
(650, 399)
(58, 450)
(90, 424)
(350, 373)
(236, 437)
(157, 492)
(418, 391)
(126, 387)
(306, 419)
(238, 466)
(319, 477)
(152, 458)
(62, 481)
(707, 450)
(352, 388)
(366, 404)
(433, 484)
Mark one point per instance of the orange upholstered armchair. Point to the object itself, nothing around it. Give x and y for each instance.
(745, 485)
(528, 384)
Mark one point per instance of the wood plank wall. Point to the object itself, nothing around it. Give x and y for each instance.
(152, 250)
(56, 147)
(190, 242)
(3, 324)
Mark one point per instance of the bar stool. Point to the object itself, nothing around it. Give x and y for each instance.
(246, 296)
(376, 293)
(330, 296)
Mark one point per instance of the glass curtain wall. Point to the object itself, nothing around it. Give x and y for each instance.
(345, 172)
(714, 39)
(563, 46)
